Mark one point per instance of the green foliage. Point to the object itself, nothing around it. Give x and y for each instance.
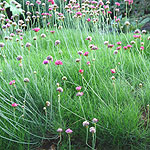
(119, 120)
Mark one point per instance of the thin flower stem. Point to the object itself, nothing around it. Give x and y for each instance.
(59, 141)
(69, 142)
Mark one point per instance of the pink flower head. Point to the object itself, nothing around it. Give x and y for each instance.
(12, 82)
(45, 62)
(58, 62)
(88, 20)
(86, 54)
(52, 31)
(118, 48)
(129, 46)
(88, 63)
(78, 88)
(110, 45)
(50, 9)
(78, 13)
(36, 29)
(117, 3)
(137, 36)
(119, 43)
(106, 6)
(125, 47)
(14, 105)
(142, 48)
(27, 2)
(69, 131)
(43, 14)
(51, 1)
(100, 3)
(109, 12)
(7, 20)
(81, 71)
(113, 71)
(21, 38)
(117, 20)
(130, 2)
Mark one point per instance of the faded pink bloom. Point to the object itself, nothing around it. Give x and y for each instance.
(58, 62)
(137, 31)
(59, 89)
(106, 43)
(92, 130)
(14, 105)
(94, 47)
(69, 131)
(80, 52)
(89, 38)
(85, 124)
(113, 71)
(78, 88)
(115, 52)
(79, 94)
(100, 3)
(57, 42)
(59, 130)
(95, 120)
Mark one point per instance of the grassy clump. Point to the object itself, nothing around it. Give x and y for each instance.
(117, 104)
